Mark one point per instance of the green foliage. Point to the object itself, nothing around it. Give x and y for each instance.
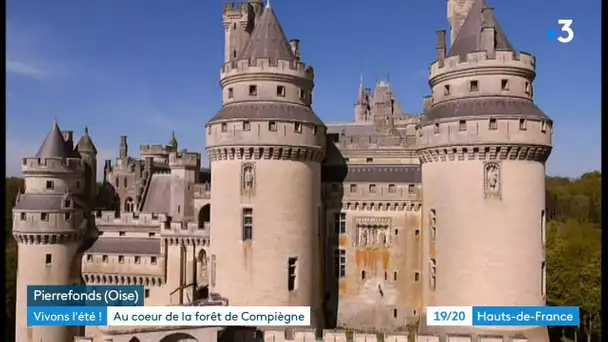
(573, 250)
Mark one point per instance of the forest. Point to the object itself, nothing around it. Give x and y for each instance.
(573, 252)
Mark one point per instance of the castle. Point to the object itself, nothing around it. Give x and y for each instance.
(367, 222)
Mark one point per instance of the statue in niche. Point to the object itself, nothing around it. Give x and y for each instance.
(248, 177)
(362, 236)
(492, 179)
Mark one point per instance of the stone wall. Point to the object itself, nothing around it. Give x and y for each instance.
(342, 336)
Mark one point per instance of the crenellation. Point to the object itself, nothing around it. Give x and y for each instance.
(509, 60)
(469, 131)
(185, 159)
(257, 67)
(109, 217)
(53, 165)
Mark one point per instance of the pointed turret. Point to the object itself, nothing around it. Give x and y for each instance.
(173, 142)
(268, 39)
(469, 38)
(85, 144)
(54, 145)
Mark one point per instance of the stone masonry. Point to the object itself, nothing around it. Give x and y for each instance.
(367, 222)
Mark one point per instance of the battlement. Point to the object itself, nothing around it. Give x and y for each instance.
(480, 131)
(481, 59)
(108, 217)
(235, 8)
(185, 159)
(52, 165)
(343, 336)
(281, 67)
(156, 149)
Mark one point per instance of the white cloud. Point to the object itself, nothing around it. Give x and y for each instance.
(24, 69)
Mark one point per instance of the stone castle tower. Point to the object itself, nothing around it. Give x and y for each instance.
(265, 247)
(483, 146)
(50, 224)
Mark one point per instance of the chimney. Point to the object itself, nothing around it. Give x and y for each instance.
(124, 147)
(440, 46)
(68, 137)
(295, 47)
(488, 32)
(428, 101)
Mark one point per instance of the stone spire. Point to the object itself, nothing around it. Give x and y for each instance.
(54, 145)
(85, 144)
(268, 39)
(173, 141)
(469, 38)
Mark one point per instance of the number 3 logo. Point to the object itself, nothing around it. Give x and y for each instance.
(566, 23)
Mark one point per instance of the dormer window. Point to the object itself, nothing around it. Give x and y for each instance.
(50, 185)
(436, 128)
(272, 126)
(22, 216)
(446, 90)
(230, 93)
(44, 216)
(314, 130)
(543, 127)
(67, 203)
(280, 91)
(224, 127)
(253, 90)
(372, 188)
(302, 94)
(246, 126)
(474, 86)
(504, 84)
(523, 124)
(493, 125)
(68, 216)
(462, 125)
(297, 127)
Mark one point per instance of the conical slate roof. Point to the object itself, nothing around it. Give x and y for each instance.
(267, 39)
(54, 145)
(85, 144)
(173, 141)
(469, 37)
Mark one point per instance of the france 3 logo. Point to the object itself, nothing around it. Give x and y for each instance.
(567, 32)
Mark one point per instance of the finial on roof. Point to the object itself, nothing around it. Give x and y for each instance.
(86, 130)
(267, 3)
(388, 77)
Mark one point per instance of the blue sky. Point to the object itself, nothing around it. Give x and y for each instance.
(144, 67)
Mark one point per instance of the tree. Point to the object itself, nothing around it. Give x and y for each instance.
(574, 270)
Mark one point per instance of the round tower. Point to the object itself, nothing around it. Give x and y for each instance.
(483, 144)
(265, 147)
(49, 226)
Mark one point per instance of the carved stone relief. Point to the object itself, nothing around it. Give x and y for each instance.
(248, 179)
(373, 235)
(492, 180)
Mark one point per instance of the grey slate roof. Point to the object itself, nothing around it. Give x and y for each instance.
(371, 173)
(267, 111)
(126, 246)
(485, 106)
(469, 36)
(85, 144)
(54, 145)
(267, 39)
(157, 199)
(42, 202)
